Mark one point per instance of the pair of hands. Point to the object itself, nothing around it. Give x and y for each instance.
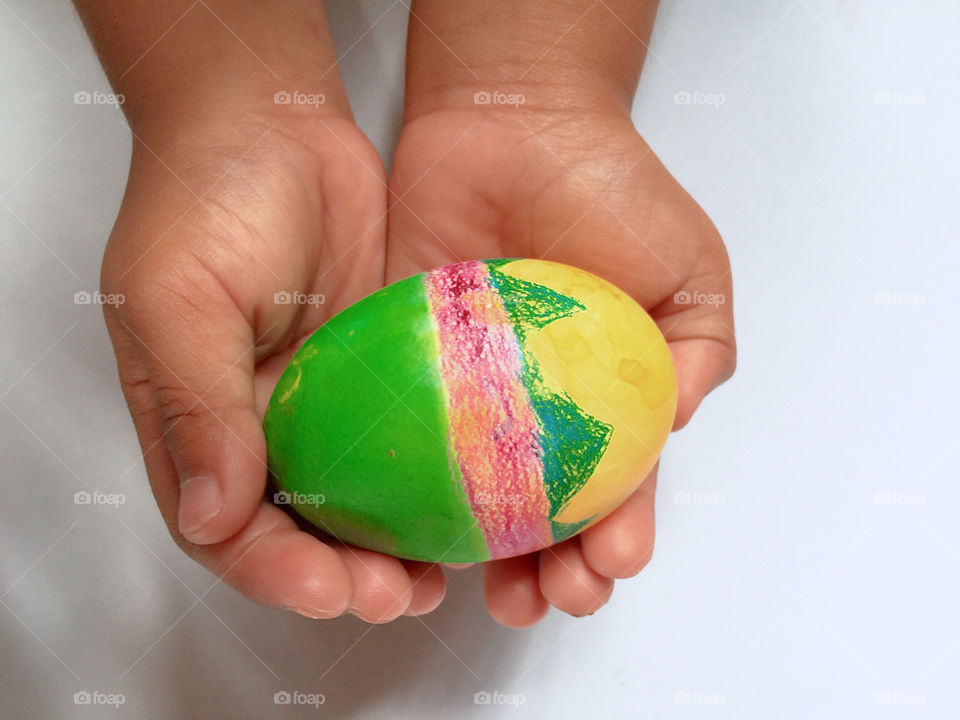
(230, 208)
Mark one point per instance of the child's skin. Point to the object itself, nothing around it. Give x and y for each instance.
(232, 198)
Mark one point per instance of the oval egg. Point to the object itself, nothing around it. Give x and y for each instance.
(479, 411)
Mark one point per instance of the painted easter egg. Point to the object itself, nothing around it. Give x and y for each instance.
(478, 411)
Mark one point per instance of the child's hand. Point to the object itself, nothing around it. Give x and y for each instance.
(563, 177)
(234, 202)
(245, 225)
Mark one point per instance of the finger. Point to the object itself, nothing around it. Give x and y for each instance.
(429, 587)
(621, 545)
(569, 583)
(458, 566)
(382, 590)
(702, 365)
(697, 322)
(512, 591)
(269, 559)
(195, 375)
(271, 562)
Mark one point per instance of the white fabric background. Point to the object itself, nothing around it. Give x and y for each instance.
(807, 517)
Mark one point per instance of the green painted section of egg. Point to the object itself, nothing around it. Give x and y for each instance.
(357, 433)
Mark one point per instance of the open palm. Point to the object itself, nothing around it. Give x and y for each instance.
(228, 254)
(586, 191)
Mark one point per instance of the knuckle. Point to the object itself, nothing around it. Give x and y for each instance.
(730, 367)
(176, 403)
(140, 397)
(207, 420)
(154, 281)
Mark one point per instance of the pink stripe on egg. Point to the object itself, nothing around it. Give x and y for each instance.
(494, 432)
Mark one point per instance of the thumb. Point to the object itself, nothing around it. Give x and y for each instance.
(702, 364)
(697, 322)
(186, 361)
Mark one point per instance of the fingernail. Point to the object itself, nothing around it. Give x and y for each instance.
(312, 614)
(200, 502)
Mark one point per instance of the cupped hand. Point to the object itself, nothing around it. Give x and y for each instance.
(586, 190)
(239, 234)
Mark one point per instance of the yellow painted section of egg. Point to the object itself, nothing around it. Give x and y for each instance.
(615, 364)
